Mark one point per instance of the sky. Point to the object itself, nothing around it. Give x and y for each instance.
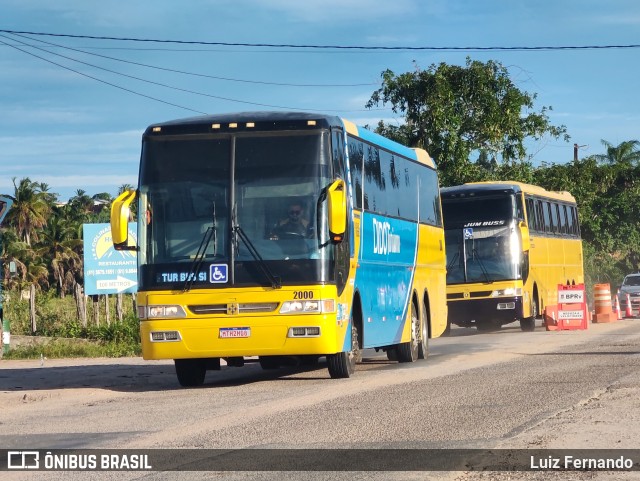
(73, 110)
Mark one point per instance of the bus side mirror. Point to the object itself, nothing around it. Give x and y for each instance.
(337, 198)
(524, 235)
(120, 212)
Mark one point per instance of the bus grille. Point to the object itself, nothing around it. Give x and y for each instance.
(480, 294)
(460, 295)
(250, 308)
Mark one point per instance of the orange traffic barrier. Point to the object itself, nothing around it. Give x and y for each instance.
(550, 317)
(628, 312)
(571, 310)
(602, 303)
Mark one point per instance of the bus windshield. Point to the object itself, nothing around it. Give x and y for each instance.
(192, 204)
(481, 239)
(482, 254)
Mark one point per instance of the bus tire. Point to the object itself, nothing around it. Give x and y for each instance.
(408, 351)
(343, 364)
(423, 345)
(528, 324)
(190, 372)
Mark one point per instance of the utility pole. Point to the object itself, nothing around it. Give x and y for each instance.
(575, 151)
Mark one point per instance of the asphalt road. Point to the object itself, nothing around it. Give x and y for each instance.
(475, 391)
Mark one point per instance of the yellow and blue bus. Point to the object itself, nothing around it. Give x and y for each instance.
(225, 273)
(509, 245)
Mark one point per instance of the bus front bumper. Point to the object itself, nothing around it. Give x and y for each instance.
(495, 310)
(210, 338)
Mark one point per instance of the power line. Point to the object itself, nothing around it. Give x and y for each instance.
(337, 47)
(102, 81)
(280, 84)
(155, 83)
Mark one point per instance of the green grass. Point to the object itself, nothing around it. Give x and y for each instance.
(57, 319)
(64, 348)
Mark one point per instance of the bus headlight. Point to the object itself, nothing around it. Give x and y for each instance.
(308, 307)
(161, 312)
(509, 291)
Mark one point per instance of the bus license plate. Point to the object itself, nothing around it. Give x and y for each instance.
(232, 332)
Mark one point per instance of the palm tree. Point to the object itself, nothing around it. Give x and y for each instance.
(60, 247)
(31, 207)
(124, 188)
(626, 153)
(81, 205)
(30, 267)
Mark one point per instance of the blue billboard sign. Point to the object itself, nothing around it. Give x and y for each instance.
(106, 270)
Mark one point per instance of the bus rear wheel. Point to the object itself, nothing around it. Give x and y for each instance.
(408, 351)
(423, 345)
(343, 364)
(190, 372)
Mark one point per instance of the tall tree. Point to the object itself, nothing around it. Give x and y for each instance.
(626, 153)
(31, 207)
(60, 247)
(454, 112)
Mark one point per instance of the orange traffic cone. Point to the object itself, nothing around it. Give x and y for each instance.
(628, 312)
(616, 307)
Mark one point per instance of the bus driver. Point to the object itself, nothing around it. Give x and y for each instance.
(294, 225)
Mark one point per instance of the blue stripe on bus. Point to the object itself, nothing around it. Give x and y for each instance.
(385, 276)
(387, 144)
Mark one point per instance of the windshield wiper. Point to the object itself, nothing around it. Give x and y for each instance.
(474, 252)
(453, 260)
(209, 235)
(276, 283)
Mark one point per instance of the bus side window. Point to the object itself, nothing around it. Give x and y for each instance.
(540, 215)
(519, 208)
(575, 222)
(564, 226)
(548, 226)
(531, 215)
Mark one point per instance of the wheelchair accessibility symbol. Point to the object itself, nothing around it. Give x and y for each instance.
(218, 273)
(468, 233)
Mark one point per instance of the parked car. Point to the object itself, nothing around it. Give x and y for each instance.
(630, 285)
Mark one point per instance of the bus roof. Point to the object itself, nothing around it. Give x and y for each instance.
(502, 185)
(267, 120)
(419, 155)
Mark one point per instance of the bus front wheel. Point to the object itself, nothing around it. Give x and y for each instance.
(528, 324)
(190, 372)
(343, 364)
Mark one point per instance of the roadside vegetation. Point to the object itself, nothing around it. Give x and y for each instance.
(472, 119)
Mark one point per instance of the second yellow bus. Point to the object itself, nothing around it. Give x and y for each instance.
(508, 245)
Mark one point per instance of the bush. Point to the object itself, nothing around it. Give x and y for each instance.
(57, 318)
